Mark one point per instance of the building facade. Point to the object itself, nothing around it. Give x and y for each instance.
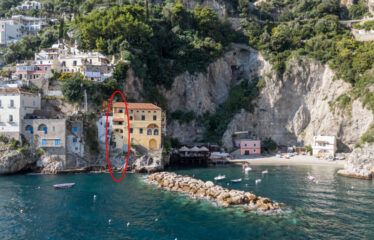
(28, 5)
(145, 125)
(12, 29)
(249, 147)
(14, 105)
(324, 146)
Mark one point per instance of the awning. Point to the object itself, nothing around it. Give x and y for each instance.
(184, 149)
(118, 119)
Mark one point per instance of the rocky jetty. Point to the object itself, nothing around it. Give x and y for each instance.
(207, 190)
(360, 163)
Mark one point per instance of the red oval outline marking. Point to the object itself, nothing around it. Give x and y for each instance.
(106, 136)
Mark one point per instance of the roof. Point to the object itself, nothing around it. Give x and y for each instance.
(15, 91)
(136, 106)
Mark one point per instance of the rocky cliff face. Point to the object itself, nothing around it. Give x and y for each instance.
(296, 107)
(291, 109)
(204, 92)
(14, 161)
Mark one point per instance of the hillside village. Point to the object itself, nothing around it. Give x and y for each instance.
(55, 96)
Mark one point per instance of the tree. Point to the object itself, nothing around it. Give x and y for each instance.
(48, 37)
(72, 89)
(120, 72)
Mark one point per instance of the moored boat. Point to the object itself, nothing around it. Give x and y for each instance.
(220, 177)
(64, 185)
(236, 180)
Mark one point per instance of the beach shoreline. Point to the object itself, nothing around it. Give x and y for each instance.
(295, 160)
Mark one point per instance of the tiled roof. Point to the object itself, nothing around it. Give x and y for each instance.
(136, 106)
(14, 91)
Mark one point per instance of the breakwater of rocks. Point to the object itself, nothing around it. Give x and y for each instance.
(208, 190)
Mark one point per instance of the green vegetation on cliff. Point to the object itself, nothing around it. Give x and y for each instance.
(159, 43)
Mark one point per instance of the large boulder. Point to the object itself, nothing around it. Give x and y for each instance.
(360, 163)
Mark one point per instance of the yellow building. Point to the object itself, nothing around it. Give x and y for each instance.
(147, 124)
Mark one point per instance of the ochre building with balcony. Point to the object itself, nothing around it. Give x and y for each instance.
(147, 124)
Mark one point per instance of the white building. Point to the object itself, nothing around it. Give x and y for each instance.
(14, 105)
(14, 28)
(28, 5)
(100, 124)
(324, 146)
(10, 31)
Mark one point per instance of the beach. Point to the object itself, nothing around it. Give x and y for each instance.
(295, 160)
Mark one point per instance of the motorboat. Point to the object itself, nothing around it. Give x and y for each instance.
(220, 177)
(64, 185)
(265, 172)
(236, 180)
(258, 181)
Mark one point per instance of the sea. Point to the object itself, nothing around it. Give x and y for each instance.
(334, 208)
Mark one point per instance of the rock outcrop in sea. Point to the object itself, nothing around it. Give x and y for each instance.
(208, 190)
(360, 163)
(13, 161)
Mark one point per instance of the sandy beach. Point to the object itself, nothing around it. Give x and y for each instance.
(295, 160)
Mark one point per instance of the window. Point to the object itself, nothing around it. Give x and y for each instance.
(130, 117)
(254, 150)
(132, 140)
(76, 148)
(33, 103)
(75, 129)
(45, 129)
(11, 103)
(131, 130)
(155, 132)
(75, 140)
(143, 117)
(10, 118)
(140, 130)
(131, 111)
(0, 103)
(74, 63)
(149, 132)
(43, 142)
(57, 142)
(154, 117)
(53, 128)
(255, 144)
(23, 102)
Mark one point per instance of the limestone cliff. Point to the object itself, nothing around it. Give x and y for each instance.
(291, 108)
(296, 107)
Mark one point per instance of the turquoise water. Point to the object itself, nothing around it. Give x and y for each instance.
(335, 208)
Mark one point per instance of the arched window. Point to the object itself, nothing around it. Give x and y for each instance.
(155, 132)
(43, 127)
(30, 129)
(149, 132)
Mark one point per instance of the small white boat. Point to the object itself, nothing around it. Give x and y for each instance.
(236, 180)
(265, 172)
(220, 177)
(247, 169)
(64, 185)
(258, 181)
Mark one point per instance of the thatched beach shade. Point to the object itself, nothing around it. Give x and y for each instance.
(204, 149)
(184, 149)
(195, 149)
